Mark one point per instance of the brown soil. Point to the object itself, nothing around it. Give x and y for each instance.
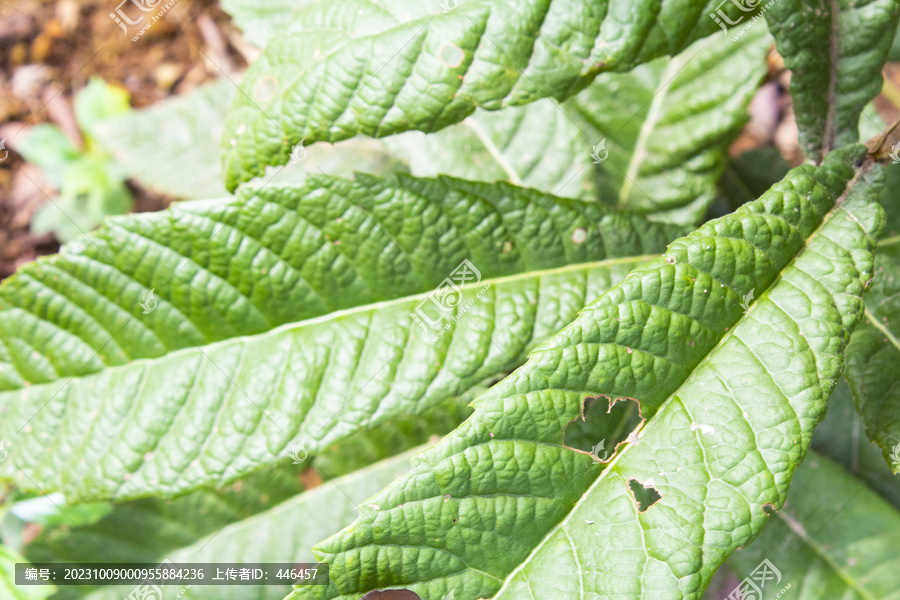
(51, 48)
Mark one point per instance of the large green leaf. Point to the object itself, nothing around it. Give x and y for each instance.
(285, 533)
(835, 538)
(731, 397)
(144, 530)
(873, 357)
(8, 587)
(259, 20)
(842, 438)
(538, 145)
(747, 176)
(346, 67)
(835, 50)
(293, 326)
(147, 530)
(150, 530)
(668, 157)
(674, 147)
(666, 127)
(172, 147)
(894, 54)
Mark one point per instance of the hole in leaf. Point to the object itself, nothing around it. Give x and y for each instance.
(602, 426)
(769, 509)
(644, 496)
(391, 595)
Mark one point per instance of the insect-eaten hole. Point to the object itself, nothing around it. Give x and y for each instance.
(644, 496)
(391, 595)
(769, 509)
(603, 425)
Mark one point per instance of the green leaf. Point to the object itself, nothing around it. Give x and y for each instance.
(172, 147)
(398, 435)
(873, 356)
(145, 530)
(91, 187)
(682, 114)
(835, 538)
(98, 101)
(308, 517)
(90, 190)
(667, 159)
(731, 398)
(347, 67)
(48, 511)
(150, 530)
(259, 21)
(748, 176)
(835, 51)
(282, 317)
(841, 438)
(537, 145)
(870, 124)
(8, 588)
(48, 147)
(894, 54)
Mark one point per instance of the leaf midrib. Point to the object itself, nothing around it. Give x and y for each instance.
(873, 321)
(667, 78)
(889, 241)
(587, 266)
(493, 150)
(838, 205)
(799, 531)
